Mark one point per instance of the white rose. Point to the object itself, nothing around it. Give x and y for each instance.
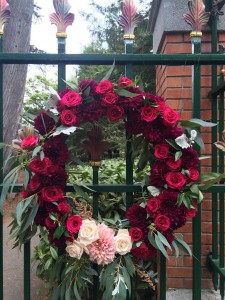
(88, 232)
(123, 243)
(75, 249)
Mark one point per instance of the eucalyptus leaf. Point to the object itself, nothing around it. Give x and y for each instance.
(36, 150)
(26, 178)
(31, 217)
(53, 252)
(163, 240)
(178, 154)
(129, 265)
(125, 93)
(180, 241)
(81, 193)
(176, 249)
(192, 123)
(109, 73)
(68, 293)
(160, 246)
(173, 144)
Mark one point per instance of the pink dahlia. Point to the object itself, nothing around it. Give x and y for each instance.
(102, 251)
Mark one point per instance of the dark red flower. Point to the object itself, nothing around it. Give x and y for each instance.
(193, 174)
(161, 151)
(43, 123)
(137, 216)
(35, 183)
(73, 223)
(71, 99)
(162, 222)
(153, 206)
(170, 116)
(64, 91)
(92, 112)
(109, 99)
(143, 251)
(175, 180)
(56, 150)
(136, 234)
(148, 113)
(173, 164)
(67, 117)
(104, 87)
(40, 166)
(157, 176)
(50, 224)
(134, 124)
(56, 176)
(52, 193)
(64, 208)
(189, 158)
(115, 113)
(124, 82)
(88, 84)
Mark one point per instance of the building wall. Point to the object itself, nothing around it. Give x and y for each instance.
(174, 84)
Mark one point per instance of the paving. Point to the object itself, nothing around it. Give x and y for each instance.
(183, 294)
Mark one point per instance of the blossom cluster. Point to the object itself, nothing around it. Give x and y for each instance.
(173, 170)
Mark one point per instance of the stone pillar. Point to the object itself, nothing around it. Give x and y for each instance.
(171, 35)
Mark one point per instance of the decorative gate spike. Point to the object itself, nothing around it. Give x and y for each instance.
(62, 18)
(4, 14)
(197, 16)
(129, 18)
(217, 5)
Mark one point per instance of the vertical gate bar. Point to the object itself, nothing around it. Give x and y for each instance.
(61, 67)
(214, 153)
(1, 174)
(196, 225)
(162, 278)
(26, 264)
(221, 170)
(95, 214)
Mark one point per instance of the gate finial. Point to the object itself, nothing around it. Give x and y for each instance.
(197, 17)
(129, 19)
(61, 18)
(4, 14)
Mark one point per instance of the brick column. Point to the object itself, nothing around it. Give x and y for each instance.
(171, 35)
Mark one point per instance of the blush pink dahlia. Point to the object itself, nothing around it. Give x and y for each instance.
(102, 251)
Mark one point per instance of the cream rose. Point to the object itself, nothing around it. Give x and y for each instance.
(123, 243)
(75, 249)
(88, 232)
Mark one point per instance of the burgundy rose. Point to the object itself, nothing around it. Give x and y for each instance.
(143, 251)
(29, 142)
(43, 123)
(175, 180)
(136, 234)
(104, 87)
(50, 224)
(40, 166)
(191, 213)
(161, 151)
(124, 82)
(152, 206)
(73, 223)
(115, 113)
(110, 99)
(161, 106)
(170, 116)
(35, 183)
(71, 99)
(193, 174)
(67, 117)
(64, 208)
(60, 106)
(173, 164)
(148, 113)
(162, 222)
(52, 193)
(64, 91)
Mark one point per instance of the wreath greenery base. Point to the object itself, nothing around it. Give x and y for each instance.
(122, 243)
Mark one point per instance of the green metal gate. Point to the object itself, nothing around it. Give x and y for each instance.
(128, 60)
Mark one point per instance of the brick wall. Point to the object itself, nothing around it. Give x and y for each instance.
(174, 84)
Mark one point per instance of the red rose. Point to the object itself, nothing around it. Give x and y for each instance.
(143, 251)
(170, 116)
(29, 141)
(162, 222)
(124, 82)
(161, 151)
(104, 87)
(67, 117)
(40, 166)
(148, 113)
(73, 223)
(173, 164)
(52, 193)
(152, 206)
(193, 174)
(71, 99)
(175, 180)
(191, 213)
(35, 183)
(64, 208)
(115, 113)
(161, 106)
(50, 224)
(110, 99)
(136, 234)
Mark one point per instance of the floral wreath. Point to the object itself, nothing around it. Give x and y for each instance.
(70, 235)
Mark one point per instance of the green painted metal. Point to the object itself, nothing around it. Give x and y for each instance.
(1, 175)
(26, 264)
(196, 225)
(162, 278)
(108, 59)
(215, 264)
(214, 153)
(61, 66)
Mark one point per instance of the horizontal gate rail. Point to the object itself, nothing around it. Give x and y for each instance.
(107, 59)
